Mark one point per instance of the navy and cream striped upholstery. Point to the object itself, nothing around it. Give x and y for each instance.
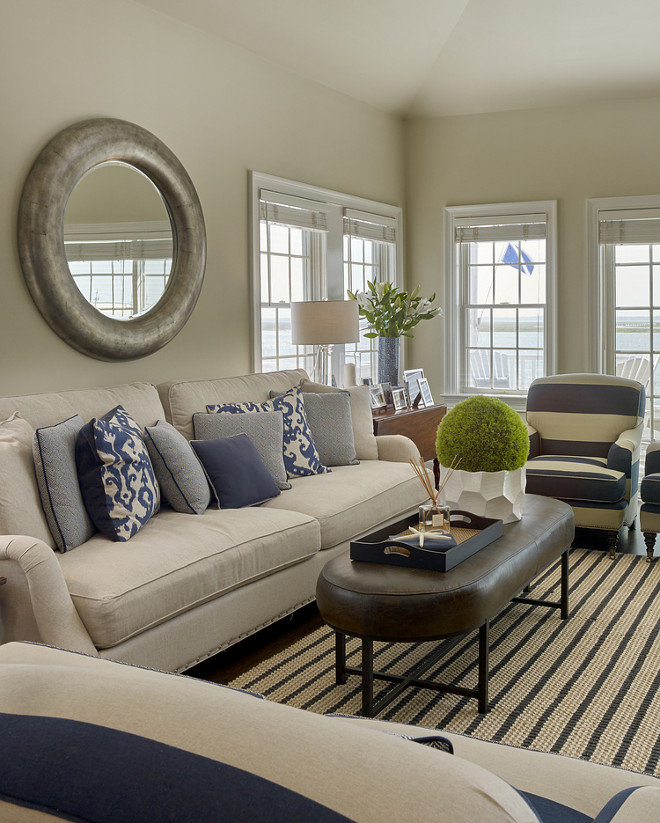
(585, 434)
(94, 740)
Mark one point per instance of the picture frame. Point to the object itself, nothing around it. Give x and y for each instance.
(425, 391)
(387, 394)
(377, 397)
(410, 379)
(399, 398)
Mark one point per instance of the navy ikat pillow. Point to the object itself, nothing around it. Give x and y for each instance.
(116, 477)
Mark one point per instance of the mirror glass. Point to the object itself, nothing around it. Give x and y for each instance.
(118, 240)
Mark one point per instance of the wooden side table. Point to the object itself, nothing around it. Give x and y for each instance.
(420, 425)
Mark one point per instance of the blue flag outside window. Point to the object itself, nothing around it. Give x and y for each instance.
(510, 256)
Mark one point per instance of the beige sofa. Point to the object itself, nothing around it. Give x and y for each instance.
(187, 586)
(91, 739)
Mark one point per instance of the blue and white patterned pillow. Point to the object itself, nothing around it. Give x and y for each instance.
(301, 457)
(116, 477)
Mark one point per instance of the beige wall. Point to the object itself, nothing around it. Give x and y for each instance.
(568, 155)
(221, 110)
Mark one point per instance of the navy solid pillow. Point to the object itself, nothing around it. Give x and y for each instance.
(236, 471)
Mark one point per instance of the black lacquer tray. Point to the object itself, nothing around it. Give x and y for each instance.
(471, 533)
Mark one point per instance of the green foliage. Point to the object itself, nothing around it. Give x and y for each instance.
(485, 433)
(391, 312)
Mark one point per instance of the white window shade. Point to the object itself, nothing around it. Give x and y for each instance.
(512, 229)
(638, 230)
(288, 210)
(369, 226)
(148, 240)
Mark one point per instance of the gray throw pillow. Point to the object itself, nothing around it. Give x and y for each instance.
(329, 418)
(179, 473)
(54, 452)
(265, 430)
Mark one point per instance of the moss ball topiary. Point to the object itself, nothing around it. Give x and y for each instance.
(485, 433)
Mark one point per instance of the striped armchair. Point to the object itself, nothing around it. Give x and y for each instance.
(585, 435)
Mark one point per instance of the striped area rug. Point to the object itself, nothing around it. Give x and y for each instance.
(588, 687)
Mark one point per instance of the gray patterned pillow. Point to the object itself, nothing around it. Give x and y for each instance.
(179, 473)
(116, 477)
(265, 430)
(329, 418)
(54, 451)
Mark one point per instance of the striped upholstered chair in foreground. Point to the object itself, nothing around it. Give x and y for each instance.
(585, 434)
(649, 513)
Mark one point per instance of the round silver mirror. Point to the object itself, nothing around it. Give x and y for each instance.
(116, 284)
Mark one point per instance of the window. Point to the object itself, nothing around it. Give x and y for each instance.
(502, 290)
(311, 244)
(369, 256)
(121, 268)
(626, 232)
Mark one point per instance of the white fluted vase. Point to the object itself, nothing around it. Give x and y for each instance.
(498, 495)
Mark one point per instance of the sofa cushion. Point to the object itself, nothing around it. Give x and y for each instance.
(366, 447)
(20, 503)
(140, 400)
(300, 455)
(54, 449)
(650, 488)
(329, 418)
(353, 499)
(575, 478)
(265, 430)
(236, 472)
(116, 477)
(180, 476)
(175, 564)
(182, 399)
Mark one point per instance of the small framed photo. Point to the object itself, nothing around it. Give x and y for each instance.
(387, 394)
(410, 378)
(377, 397)
(399, 398)
(427, 397)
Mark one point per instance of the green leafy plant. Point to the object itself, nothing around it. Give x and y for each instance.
(485, 434)
(392, 312)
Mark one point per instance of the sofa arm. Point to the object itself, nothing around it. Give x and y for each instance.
(396, 448)
(652, 462)
(534, 441)
(624, 452)
(53, 610)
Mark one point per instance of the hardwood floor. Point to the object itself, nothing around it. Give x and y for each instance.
(224, 667)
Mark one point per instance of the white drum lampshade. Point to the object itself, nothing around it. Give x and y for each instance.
(324, 323)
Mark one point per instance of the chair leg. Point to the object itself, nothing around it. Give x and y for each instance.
(612, 543)
(649, 539)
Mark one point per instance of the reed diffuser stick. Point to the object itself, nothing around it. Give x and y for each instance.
(422, 472)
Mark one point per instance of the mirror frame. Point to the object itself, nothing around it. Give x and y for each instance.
(70, 155)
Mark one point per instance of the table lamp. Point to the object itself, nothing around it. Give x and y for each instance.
(324, 323)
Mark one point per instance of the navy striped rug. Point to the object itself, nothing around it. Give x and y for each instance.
(588, 687)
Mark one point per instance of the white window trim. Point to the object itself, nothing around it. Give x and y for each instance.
(334, 203)
(600, 316)
(452, 302)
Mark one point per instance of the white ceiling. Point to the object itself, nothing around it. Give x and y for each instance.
(446, 57)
